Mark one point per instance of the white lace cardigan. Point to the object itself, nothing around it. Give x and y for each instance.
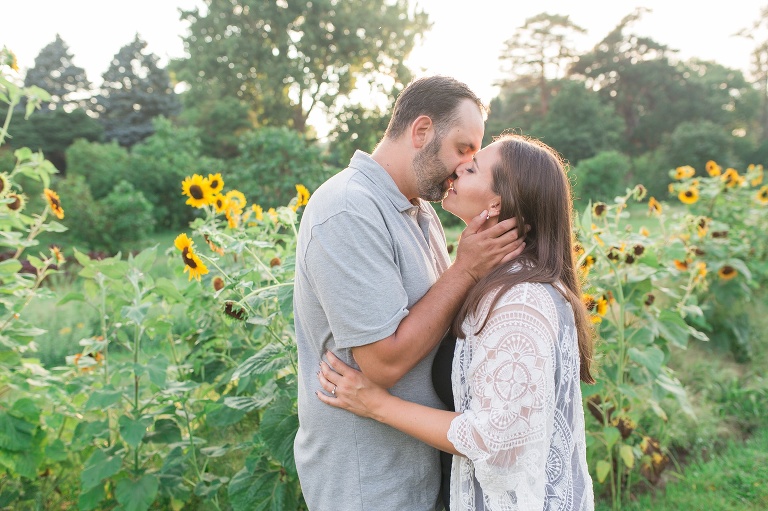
(521, 427)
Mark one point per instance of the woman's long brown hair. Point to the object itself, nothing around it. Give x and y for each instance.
(530, 179)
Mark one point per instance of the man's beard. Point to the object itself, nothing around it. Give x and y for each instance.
(430, 172)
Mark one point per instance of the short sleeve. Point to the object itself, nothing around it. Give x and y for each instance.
(351, 266)
(505, 431)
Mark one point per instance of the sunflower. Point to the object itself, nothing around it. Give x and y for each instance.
(219, 203)
(684, 172)
(303, 196)
(681, 265)
(218, 283)
(689, 196)
(644, 231)
(5, 185)
(258, 213)
(272, 214)
(713, 169)
(701, 270)
(57, 255)
(731, 177)
(54, 203)
(757, 178)
(727, 272)
(654, 206)
(599, 209)
(602, 306)
(18, 201)
(198, 191)
(587, 263)
(236, 201)
(639, 192)
(762, 195)
(192, 262)
(215, 183)
(701, 226)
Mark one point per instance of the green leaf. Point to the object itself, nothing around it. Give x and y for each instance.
(260, 488)
(15, 434)
(133, 430)
(166, 431)
(673, 328)
(9, 267)
(270, 359)
(103, 399)
(99, 466)
(167, 289)
(651, 358)
(145, 259)
(611, 435)
(135, 313)
(56, 450)
(603, 468)
(137, 495)
(53, 226)
(71, 297)
(89, 500)
(627, 456)
(278, 429)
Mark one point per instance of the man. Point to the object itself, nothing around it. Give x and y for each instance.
(374, 284)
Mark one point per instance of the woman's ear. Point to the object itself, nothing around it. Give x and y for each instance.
(495, 207)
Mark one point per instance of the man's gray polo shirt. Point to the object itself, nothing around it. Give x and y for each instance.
(365, 256)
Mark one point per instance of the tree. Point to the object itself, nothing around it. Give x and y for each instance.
(284, 59)
(55, 72)
(579, 125)
(633, 73)
(357, 127)
(135, 90)
(541, 49)
(758, 33)
(516, 108)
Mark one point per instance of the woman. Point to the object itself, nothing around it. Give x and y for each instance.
(523, 344)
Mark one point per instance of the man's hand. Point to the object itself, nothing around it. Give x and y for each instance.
(481, 250)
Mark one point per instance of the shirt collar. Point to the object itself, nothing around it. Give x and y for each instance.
(380, 178)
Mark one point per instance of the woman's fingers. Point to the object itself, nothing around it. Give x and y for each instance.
(323, 375)
(335, 363)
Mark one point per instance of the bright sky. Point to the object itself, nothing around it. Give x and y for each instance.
(464, 42)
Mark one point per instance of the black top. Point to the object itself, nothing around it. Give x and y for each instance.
(441, 370)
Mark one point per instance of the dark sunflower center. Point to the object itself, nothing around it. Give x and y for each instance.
(727, 270)
(215, 184)
(55, 204)
(187, 259)
(689, 194)
(2, 185)
(196, 192)
(16, 204)
(764, 194)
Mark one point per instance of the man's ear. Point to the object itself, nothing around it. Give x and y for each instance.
(422, 131)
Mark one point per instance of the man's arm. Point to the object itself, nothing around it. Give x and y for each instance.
(386, 361)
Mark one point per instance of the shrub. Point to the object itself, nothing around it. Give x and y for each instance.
(601, 177)
(100, 165)
(126, 218)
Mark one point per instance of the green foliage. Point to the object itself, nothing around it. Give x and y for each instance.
(578, 124)
(357, 128)
(282, 76)
(84, 216)
(126, 218)
(101, 165)
(601, 177)
(220, 122)
(159, 164)
(135, 90)
(271, 162)
(651, 169)
(695, 143)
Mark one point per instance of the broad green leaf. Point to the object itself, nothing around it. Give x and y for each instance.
(133, 430)
(627, 456)
(103, 399)
(167, 289)
(208, 488)
(71, 297)
(9, 267)
(53, 226)
(603, 469)
(135, 313)
(99, 466)
(673, 328)
(269, 360)
(278, 429)
(611, 435)
(651, 358)
(15, 434)
(89, 500)
(56, 450)
(137, 495)
(157, 367)
(166, 431)
(145, 259)
(259, 487)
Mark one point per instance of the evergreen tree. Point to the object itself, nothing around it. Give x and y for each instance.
(135, 91)
(55, 72)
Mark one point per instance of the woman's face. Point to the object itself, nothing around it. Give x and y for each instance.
(470, 193)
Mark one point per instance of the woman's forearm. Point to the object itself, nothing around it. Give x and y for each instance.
(429, 425)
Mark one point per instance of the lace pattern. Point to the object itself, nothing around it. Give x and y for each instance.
(521, 428)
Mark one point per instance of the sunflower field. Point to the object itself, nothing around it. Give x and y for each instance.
(182, 394)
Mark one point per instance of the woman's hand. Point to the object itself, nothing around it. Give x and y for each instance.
(349, 389)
